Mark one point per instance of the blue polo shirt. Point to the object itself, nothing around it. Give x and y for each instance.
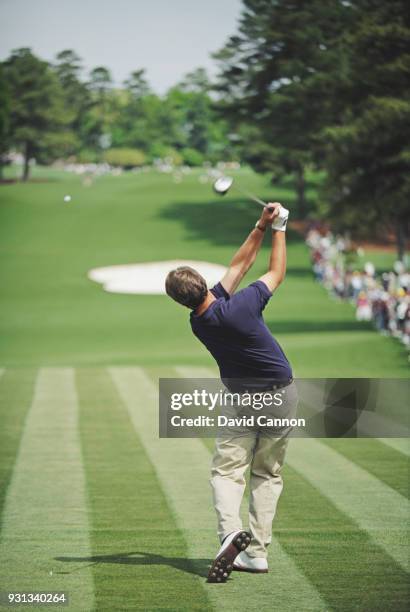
(234, 332)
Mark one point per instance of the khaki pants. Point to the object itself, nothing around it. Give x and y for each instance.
(265, 454)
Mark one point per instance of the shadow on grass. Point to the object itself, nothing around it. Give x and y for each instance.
(221, 222)
(14, 180)
(299, 272)
(300, 326)
(198, 567)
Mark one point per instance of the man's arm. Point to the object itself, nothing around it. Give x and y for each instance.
(246, 255)
(277, 264)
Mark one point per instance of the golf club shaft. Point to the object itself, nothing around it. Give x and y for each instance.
(251, 196)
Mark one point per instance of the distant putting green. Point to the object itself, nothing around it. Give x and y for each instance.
(53, 315)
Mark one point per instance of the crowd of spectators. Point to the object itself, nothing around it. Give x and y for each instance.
(383, 299)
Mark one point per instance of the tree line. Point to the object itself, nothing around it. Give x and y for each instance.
(302, 85)
(50, 111)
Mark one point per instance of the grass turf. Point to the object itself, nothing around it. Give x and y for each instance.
(143, 507)
(146, 551)
(133, 526)
(53, 315)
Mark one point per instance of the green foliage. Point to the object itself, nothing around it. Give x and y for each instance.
(172, 156)
(5, 110)
(100, 81)
(56, 145)
(192, 157)
(77, 98)
(82, 119)
(39, 122)
(125, 158)
(368, 155)
(87, 156)
(137, 85)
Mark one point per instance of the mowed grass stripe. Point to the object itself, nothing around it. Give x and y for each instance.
(195, 372)
(16, 391)
(183, 468)
(386, 464)
(45, 513)
(375, 507)
(139, 555)
(342, 560)
(402, 445)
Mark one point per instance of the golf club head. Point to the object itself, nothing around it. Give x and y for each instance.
(223, 184)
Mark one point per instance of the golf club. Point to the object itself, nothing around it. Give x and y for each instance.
(224, 183)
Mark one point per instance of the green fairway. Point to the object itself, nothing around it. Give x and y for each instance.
(92, 502)
(53, 315)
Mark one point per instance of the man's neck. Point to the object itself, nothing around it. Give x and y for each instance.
(205, 304)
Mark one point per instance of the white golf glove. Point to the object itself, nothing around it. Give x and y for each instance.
(279, 224)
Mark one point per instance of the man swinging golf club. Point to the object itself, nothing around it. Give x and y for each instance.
(250, 360)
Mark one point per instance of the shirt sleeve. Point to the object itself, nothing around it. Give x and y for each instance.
(220, 292)
(256, 296)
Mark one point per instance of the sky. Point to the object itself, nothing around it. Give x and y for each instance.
(167, 37)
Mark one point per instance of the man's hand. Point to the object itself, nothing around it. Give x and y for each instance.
(246, 255)
(269, 214)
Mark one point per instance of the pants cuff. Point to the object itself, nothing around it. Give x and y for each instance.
(256, 554)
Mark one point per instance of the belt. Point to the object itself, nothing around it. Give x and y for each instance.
(280, 384)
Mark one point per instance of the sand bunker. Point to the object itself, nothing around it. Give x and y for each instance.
(149, 278)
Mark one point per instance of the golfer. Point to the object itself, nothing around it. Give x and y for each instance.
(250, 361)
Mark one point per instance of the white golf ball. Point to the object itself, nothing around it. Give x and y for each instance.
(67, 198)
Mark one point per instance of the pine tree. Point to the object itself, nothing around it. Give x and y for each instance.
(368, 155)
(37, 111)
(5, 110)
(77, 98)
(274, 81)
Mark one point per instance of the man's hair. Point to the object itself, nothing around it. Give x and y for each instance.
(186, 286)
